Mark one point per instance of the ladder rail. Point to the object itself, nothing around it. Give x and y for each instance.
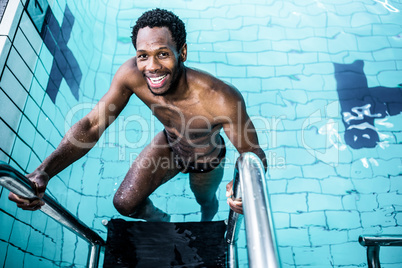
(250, 185)
(17, 183)
(373, 244)
(233, 226)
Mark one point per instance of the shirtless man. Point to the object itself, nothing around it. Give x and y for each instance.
(192, 105)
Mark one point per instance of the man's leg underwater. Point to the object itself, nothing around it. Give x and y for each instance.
(204, 186)
(153, 167)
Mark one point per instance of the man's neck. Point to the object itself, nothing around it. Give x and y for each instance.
(180, 89)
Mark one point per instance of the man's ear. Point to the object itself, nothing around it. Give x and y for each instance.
(183, 53)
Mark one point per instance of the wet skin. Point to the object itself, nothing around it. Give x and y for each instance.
(192, 105)
(192, 130)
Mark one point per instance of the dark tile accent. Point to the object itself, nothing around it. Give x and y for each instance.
(64, 63)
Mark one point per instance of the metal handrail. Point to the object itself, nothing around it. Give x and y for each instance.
(373, 244)
(17, 183)
(261, 243)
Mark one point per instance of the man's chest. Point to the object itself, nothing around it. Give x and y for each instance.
(184, 118)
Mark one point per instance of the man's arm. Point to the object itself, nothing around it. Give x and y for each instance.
(240, 129)
(83, 135)
(79, 139)
(241, 132)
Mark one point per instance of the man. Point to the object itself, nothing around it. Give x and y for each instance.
(192, 105)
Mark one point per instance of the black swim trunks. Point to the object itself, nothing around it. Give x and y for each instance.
(194, 167)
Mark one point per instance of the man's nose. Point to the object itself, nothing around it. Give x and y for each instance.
(153, 65)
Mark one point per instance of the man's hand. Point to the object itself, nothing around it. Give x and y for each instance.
(235, 205)
(40, 180)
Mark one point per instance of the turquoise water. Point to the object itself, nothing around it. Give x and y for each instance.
(334, 159)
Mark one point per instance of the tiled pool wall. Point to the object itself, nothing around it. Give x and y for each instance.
(32, 126)
(300, 65)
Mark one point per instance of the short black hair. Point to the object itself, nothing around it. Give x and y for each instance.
(161, 18)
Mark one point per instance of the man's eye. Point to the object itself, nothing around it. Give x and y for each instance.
(163, 54)
(142, 57)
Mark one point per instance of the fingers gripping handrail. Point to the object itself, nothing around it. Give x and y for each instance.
(20, 185)
(261, 244)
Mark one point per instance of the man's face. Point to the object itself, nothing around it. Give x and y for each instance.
(158, 58)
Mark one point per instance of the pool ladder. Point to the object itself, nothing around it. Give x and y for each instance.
(249, 182)
(19, 184)
(373, 244)
(250, 185)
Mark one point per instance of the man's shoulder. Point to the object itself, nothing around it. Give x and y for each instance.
(211, 84)
(129, 66)
(129, 75)
(219, 97)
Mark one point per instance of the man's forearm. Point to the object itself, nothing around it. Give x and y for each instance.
(74, 145)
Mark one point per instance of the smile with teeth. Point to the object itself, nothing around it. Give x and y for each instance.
(157, 81)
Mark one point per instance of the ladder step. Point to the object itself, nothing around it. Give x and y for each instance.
(165, 244)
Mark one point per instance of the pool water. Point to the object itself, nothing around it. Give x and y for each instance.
(322, 81)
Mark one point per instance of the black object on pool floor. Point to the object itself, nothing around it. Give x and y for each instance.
(165, 244)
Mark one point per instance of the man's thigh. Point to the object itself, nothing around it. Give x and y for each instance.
(153, 167)
(204, 185)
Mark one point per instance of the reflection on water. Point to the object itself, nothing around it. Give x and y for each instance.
(387, 5)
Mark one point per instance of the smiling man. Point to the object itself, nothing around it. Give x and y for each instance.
(192, 105)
